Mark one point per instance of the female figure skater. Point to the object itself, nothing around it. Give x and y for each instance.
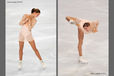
(84, 26)
(27, 23)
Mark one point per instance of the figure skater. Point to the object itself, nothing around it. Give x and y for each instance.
(27, 22)
(84, 27)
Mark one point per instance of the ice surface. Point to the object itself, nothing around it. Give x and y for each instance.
(44, 34)
(95, 47)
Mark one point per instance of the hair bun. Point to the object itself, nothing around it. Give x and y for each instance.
(35, 10)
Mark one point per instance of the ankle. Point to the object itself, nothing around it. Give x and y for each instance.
(80, 56)
(41, 61)
(20, 61)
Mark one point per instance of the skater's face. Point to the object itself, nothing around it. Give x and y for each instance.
(36, 14)
(87, 28)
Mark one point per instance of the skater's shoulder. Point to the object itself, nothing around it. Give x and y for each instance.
(26, 15)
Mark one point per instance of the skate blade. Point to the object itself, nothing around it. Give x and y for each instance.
(83, 62)
(19, 69)
(71, 22)
(44, 67)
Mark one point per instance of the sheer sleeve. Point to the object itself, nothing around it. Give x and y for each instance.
(24, 19)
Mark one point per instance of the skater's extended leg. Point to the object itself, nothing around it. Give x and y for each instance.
(68, 18)
(73, 20)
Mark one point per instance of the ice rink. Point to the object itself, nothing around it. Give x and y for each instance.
(95, 46)
(44, 33)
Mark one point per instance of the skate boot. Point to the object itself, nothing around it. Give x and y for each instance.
(43, 64)
(72, 22)
(83, 60)
(20, 65)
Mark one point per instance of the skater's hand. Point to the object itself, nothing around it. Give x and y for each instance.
(95, 30)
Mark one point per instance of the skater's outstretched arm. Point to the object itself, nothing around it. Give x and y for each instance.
(75, 20)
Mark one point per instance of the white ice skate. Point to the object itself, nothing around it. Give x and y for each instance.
(83, 60)
(43, 64)
(20, 65)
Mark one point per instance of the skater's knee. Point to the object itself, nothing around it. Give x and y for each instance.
(80, 43)
(20, 49)
(79, 46)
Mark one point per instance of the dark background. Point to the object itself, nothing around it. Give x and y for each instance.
(2, 37)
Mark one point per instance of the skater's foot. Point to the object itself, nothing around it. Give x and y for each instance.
(43, 64)
(20, 65)
(83, 60)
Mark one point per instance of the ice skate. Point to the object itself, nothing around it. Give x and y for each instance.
(72, 22)
(20, 65)
(82, 60)
(43, 64)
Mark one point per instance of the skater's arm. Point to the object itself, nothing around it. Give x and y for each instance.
(31, 25)
(75, 20)
(95, 29)
(23, 20)
(34, 22)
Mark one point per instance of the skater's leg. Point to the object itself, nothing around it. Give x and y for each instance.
(80, 43)
(80, 38)
(73, 20)
(68, 18)
(21, 44)
(32, 43)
